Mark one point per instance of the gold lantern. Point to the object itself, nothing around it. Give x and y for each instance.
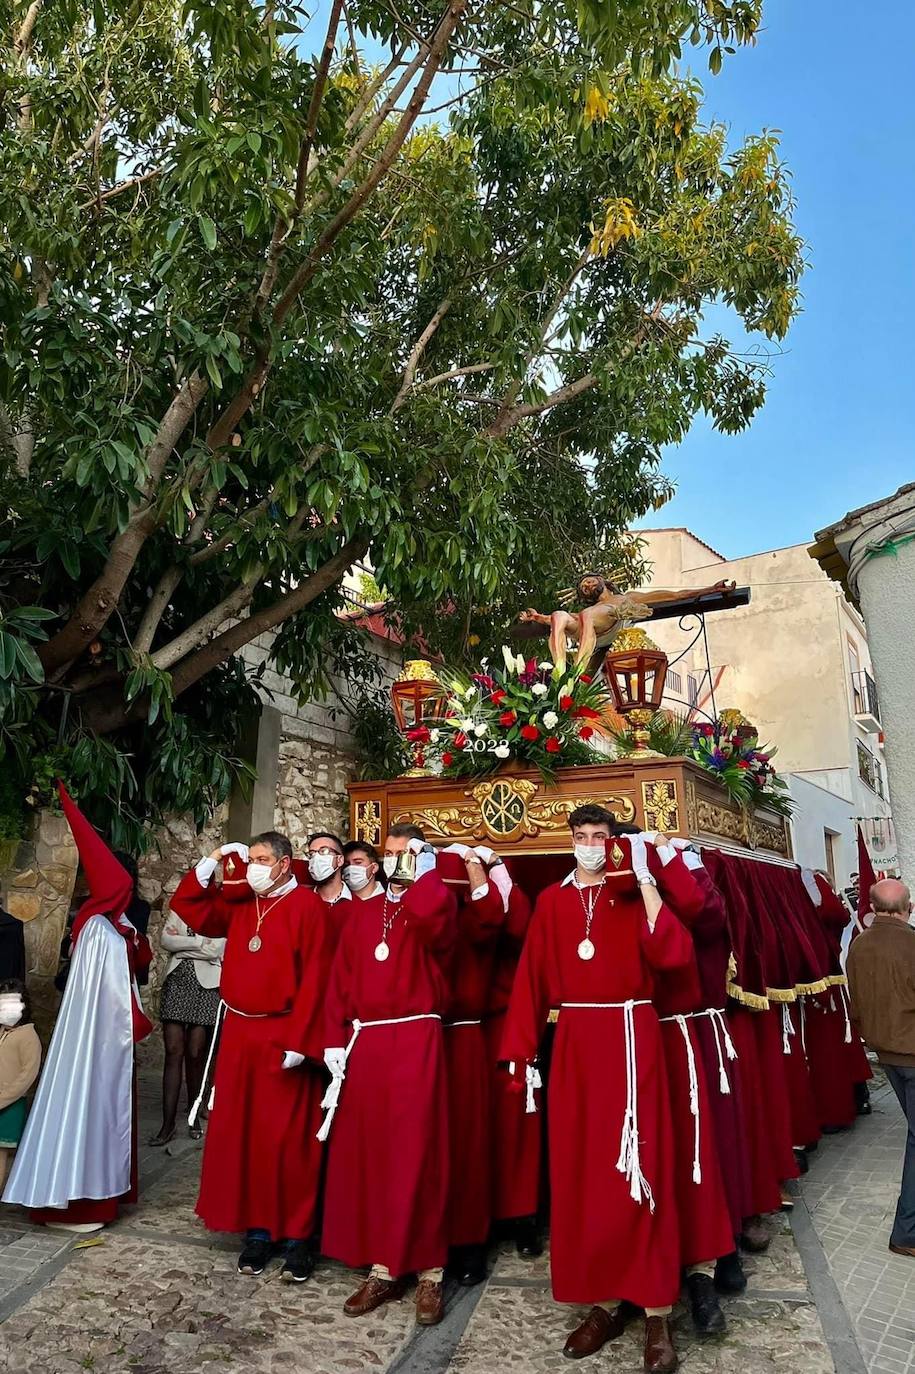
(636, 671)
(418, 699)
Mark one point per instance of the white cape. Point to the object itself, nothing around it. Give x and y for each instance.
(77, 1140)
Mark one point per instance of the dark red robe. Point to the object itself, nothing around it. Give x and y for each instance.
(386, 1197)
(706, 1231)
(261, 1160)
(469, 1106)
(605, 1242)
(516, 1135)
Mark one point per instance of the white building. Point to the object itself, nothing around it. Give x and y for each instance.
(796, 662)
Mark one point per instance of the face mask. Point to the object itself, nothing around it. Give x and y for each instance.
(260, 877)
(11, 1009)
(321, 867)
(389, 864)
(356, 877)
(591, 856)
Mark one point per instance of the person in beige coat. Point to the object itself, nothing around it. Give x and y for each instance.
(20, 1060)
(190, 1001)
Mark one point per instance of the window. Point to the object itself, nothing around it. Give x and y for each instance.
(830, 840)
(692, 690)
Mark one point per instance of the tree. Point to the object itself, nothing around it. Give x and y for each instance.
(269, 315)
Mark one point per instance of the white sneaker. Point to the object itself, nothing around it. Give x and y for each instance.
(82, 1228)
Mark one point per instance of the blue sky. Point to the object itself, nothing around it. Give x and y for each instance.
(836, 430)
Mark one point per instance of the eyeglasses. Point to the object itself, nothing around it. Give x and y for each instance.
(324, 851)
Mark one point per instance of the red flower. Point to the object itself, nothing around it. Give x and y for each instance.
(565, 703)
(585, 713)
(585, 732)
(447, 759)
(498, 696)
(530, 732)
(742, 763)
(460, 740)
(553, 745)
(586, 680)
(419, 734)
(420, 759)
(508, 717)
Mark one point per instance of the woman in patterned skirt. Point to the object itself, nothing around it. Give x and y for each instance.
(190, 1000)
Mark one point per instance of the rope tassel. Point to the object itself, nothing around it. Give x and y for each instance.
(721, 1032)
(693, 1095)
(628, 1162)
(787, 1028)
(533, 1081)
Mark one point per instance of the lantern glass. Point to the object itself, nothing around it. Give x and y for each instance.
(636, 679)
(417, 696)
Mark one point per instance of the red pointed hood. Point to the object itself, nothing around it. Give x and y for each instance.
(110, 885)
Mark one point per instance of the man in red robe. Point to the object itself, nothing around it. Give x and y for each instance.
(594, 944)
(386, 1199)
(515, 1132)
(481, 915)
(261, 1160)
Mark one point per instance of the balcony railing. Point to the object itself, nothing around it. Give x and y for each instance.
(869, 769)
(864, 691)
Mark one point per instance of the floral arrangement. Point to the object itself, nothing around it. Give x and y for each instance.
(731, 751)
(523, 711)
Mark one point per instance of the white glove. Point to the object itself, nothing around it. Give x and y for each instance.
(236, 847)
(416, 846)
(292, 1059)
(488, 856)
(335, 1060)
(425, 862)
(639, 858)
(462, 850)
(692, 859)
(666, 853)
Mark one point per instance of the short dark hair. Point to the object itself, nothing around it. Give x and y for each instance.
(278, 844)
(12, 986)
(326, 835)
(624, 828)
(362, 847)
(406, 832)
(592, 814)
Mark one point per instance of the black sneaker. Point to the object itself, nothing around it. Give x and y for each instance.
(708, 1318)
(528, 1238)
(803, 1163)
(470, 1265)
(255, 1257)
(729, 1275)
(299, 1263)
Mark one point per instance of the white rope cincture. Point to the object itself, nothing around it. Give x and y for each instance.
(720, 1031)
(198, 1102)
(628, 1162)
(331, 1098)
(787, 1028)
(532, 1082)
(802, 1017)
(693, 1093)
(846, 1008)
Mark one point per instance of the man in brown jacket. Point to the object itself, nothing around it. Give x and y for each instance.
(881, 976)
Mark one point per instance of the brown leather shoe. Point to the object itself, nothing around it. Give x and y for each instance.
(907, 1250)
(430, 1303)
(598, 1327)
(374, 1293)
(660, 1356)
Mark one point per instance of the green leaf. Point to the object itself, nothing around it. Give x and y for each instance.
(207, 231)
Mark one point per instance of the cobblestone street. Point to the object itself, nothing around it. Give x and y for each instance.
(160, 1296)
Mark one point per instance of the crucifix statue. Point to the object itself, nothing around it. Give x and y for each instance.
(605, 611)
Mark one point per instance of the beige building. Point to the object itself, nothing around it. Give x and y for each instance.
(796, 662)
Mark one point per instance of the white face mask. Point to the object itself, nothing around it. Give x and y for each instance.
(356, 877)
(260, 877)
(321, 867)
(389, 864)
(11, 1009)
(591, 856)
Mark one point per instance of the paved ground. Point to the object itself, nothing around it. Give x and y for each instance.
(159, 1295)
(851, 1194)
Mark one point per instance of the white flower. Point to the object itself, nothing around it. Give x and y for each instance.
(479, 731)
(509, 658)
(550, 719)
(467, 725)
(471, 692)
(545, 667)
(520, 663)
(539, 689)
(502, 751)
(435, 736)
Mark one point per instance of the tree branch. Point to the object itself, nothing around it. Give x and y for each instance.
(416, 353)
(121, 186)
(507, 420)
(26, 28)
